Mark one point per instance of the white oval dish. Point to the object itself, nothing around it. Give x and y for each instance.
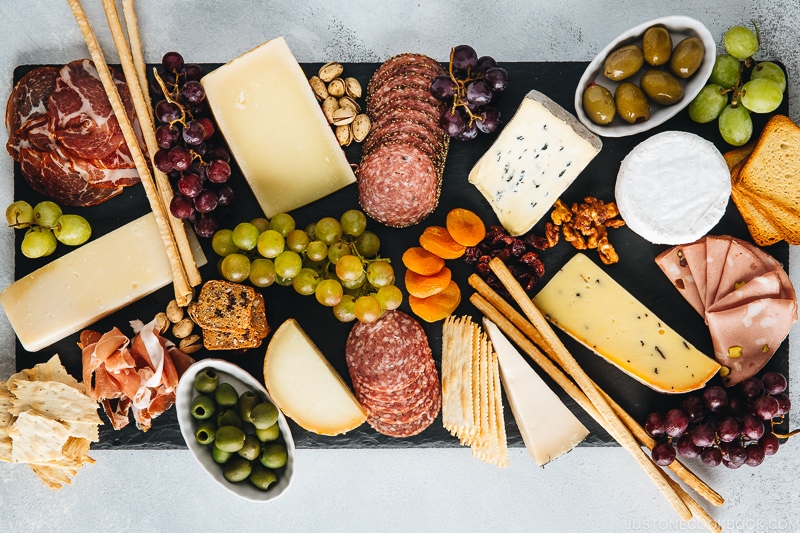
(241, 381)
(679, 28)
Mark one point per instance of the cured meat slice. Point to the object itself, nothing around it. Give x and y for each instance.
(695, 255)
(741, 265)
(674, 265)
(409, 429)
(716, 252)
(767, 285)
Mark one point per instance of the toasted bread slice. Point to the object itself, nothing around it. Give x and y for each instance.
(761, 230)
(738, 155)
(224, 306)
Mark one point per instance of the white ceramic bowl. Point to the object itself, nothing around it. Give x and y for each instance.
(679, 28)
(241, 381)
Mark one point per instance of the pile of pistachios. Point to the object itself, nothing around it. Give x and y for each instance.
(338, 96)
(174, 320)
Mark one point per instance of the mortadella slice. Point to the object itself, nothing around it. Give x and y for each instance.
(764, 286)
(695, 255)
(741, 265)
(716, 252)
(674, 265)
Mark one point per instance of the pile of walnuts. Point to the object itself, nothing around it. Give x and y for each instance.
(585, 225)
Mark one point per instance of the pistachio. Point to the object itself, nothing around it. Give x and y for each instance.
(174, 311)
(183, 328)
(349, 103)
(735, 352)
(162, 322)
(191, 344)
(343, 116)
(724, 371)
(352, 87)
(336, 87)
(330, 71)
(343, 135)
(360, 126)
(329, 106)
(738, 285)
(318, 86)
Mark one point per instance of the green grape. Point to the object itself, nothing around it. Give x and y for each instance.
(338, 250)
(283, 282)
(306, 281)
(328, 230)
(283, 223)
(19, 213)
(261, 223)
(319, 267)
(771, 71)
(311, 230)
(725, 72)
(38, 242)
(72, 230)
(349, 268)
(740, 42)
(262, 272)
(245, 236)
(235, 267)
(367, 309)
(270, 244)
(46, 213)
(297, 241)
(288, 264)
(368, 244)
(353, 222)
(708, 104)
(735, 125)
(222, 242)
(354, 283)
(316, 250)
(380, 274)
(329, 292)
(344, 311)
(390, 297)
(761, 95)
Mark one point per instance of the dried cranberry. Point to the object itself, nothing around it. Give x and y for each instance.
(504, 254)
(483, 269)
(517, 247)
(471, 255)
(538, 242)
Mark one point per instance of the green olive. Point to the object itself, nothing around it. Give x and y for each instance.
(251, 448)
(661, 87)
(229, 439)
(219, 456)
(687, 57)
(237, 469)
(598, 104)
(247, 401)
(274, 455)
(205, 431)
(203, 407)
(229, 417)
(264, 415)
(261, 477)
(206, 381)
(623, 62)
(226, 395)
(269, 434)
(656, 45)
(631, 103)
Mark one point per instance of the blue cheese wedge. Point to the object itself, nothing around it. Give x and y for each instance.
(537, 155)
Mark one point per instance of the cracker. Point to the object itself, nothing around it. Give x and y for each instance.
(52, 370)
(37, 438)
(54, 477)
(54, 399)
(225, 306)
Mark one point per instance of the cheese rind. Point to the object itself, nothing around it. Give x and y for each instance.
(304, 385)
(548, 428)
(594, 309)
(275, 128)
(89, 283)
(537, 155)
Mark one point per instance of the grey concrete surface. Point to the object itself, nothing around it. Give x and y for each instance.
(590, 489)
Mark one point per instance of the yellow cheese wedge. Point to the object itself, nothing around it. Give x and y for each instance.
(594, 309)
(275, 128)
(89, 283)
(305, 386)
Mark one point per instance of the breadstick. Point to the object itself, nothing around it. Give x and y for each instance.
(132, 25)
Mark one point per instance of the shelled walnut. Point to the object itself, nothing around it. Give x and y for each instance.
(585, 225)
(338, 96)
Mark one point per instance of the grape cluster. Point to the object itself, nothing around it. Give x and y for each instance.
(471, 85)
(335, 260)
(189, 153)
(46, 225)
(732, 427)
(730, 99)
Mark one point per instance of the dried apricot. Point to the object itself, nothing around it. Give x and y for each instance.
(437, 240)
(424, 286)
(439, 306)
(422, 261)
(465, 227)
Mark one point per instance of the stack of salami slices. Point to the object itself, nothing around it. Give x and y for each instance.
(394, 375)
(745, 296)
(400, 175)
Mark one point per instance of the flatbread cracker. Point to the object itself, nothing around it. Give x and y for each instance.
(37, 438)
(54, 399)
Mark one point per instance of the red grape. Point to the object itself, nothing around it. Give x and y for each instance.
(206, 201)
(711, 456)
(172, 62)
(770, 443)
(443, 88)
(489, 120)
(676, 422)
(655, 425)
(470, 132)
(219, 152)
(694, 407)
(728, 429)
(663, 453)
(479, 93)
(752, 387)
(206, 225)
(452, 122)
(167, 112)
(161, 160)
(497, 79)
(686, 447)
(181, 206)
(225, 195)
(192, 72)
(167, 136)
(755, 454)
(736, 454)
(784, 404)
(180, 158)
(193, 133)
(752, 427)
(774, 382)
(766, 407)
(193, 92)
(190, 184)
(703, 436)
(464, 57)
(218, 171)
(484, 63)
(715, 397)
(208, 127)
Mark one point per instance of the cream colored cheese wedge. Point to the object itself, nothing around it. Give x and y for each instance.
(305, 386)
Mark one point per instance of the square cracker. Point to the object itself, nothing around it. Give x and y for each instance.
(224, 306)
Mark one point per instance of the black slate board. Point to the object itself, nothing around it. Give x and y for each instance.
(636, 271)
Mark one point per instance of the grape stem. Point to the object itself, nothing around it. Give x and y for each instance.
(782, 435)
(168, 96)
(461, 89)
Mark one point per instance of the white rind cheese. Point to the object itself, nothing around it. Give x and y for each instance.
(594, 309)
(548, 427)
(304, 385)
(275, 129)
(89, 283)
(537, 155)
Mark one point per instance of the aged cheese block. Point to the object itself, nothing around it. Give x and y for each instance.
(537, 155)
(90, 282)
(548, 427)
(305, 386)
(275, 129)
(588, 304)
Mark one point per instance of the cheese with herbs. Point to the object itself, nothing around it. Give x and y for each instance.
(537, 155)
(594, 309)
(275, 128)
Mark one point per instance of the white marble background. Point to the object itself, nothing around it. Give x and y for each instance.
(590, 489)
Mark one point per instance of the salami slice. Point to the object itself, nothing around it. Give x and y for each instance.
(380, 79)
(406, 59)
(412, 428)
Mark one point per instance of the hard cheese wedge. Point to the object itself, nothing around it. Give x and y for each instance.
(305, 386)
(588, 304)
(548, 427)
(90, 282)
(275, 129)
(537, 155)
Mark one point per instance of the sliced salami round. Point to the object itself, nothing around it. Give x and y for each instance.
(409, 429)
(379, 79)
(401, 80)
(406, 59)
(399, 92)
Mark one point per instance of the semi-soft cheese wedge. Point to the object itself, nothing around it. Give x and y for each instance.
(304, 385)
(548, 427)
(537, 155)
(275, 128)
(89, 283)
(594, 309)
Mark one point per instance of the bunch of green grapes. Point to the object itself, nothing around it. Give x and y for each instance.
(335, 260)
(46, 225)
(731, 99)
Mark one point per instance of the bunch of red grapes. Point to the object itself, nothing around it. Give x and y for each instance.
(190, 152)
